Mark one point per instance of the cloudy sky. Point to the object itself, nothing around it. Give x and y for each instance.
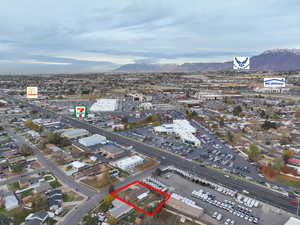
(96, 35)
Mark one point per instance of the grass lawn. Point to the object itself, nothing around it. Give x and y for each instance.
(25, 193)
(72, 196)
(55, 184)
(51, 221)
(15, 186)
(288, 181)
(18, 215)
(98, 183)
(123, 173)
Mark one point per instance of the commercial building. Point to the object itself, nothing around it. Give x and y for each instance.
(111, 151)
(181, 128)
(74, 133)
(128, 163)
(271, 90)
(292, 221)
(146, 106)
(104, 105)
(93, 140)
(204, 96)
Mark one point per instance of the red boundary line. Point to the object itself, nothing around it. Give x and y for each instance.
(136, 207)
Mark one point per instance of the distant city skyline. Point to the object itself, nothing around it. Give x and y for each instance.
(76, 36)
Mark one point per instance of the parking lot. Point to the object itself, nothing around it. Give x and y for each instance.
(227, 203)
(212, 151)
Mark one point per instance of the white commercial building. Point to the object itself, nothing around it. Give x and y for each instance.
(128, 163)
(75, 166)
(146, 106)
(182, 128)
(292, 221)
(93, 140)
(74, 133)
(104, 105)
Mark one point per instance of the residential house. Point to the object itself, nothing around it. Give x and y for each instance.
(11, 202)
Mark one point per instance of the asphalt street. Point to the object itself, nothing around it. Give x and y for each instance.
(20, 177)
(53, 168)
(255, 191)
(94, 197)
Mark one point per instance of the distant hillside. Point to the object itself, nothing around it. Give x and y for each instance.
(277, 60)
(271, 60)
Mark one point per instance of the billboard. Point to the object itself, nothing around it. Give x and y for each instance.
(241, 63)
(274, 82)
(32, 92)
(80, 112)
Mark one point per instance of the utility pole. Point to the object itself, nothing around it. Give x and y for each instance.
(298, 207)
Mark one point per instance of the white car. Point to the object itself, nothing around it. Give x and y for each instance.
(215, 214)
(227, 221)
(219, 217)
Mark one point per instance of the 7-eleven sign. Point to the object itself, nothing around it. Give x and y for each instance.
(80, 112)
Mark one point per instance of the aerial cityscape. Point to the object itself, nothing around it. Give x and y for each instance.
(149, 113)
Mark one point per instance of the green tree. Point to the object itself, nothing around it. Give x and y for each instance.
(268, 125)
(230, 136)
(278, 163)
(33, 126)
(124, 120)
(111, 188)
(25, 150)
(286, 154)
(39, 202)
(17, 167)
(221, 122)
(89, 220)
(194, 114)
(253, 152)
(237, 110)
(112, 221)
(108, 198)
(33, 112)
(4, 220)
(297, 113)
(56, 139)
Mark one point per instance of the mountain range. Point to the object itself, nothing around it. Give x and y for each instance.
(271, 60)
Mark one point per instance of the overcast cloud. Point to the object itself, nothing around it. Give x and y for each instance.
(81, 36)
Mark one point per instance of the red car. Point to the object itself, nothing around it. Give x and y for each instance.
(294, 202)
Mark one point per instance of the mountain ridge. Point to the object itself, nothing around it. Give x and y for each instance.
(269, 60)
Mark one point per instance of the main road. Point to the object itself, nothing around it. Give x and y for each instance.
(255, 191)
(94, 197)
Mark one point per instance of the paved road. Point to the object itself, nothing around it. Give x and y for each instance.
(74, 217)
(20, 177)
(94, 197)
(255, 191)
(53, 168)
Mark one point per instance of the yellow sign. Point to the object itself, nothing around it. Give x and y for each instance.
(32, 92)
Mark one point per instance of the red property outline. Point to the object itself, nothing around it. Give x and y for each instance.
(136, 207)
